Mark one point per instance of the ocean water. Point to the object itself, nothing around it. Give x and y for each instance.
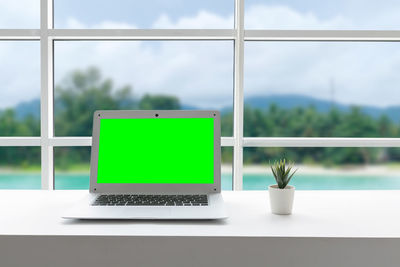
(250, 182)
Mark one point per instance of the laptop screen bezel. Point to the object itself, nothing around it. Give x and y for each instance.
(96, 187)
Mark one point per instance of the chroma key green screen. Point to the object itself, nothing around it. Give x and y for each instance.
(156, 150)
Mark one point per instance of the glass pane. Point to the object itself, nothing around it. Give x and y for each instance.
(140, 75)
(327, 168)
(322, 89)
(332, 15)
(71, 168)
(20, 14)
(20, 168)
(226, 167)
(19, 88)
(159, 14)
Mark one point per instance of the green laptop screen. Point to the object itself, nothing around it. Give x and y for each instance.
(156, 150)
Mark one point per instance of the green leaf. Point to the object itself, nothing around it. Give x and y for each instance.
(282, 172)
(290, 177)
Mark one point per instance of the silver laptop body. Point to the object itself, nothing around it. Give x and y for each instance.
(87, 208)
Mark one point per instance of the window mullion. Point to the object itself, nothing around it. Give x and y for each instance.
(238, 97)
(46, 95)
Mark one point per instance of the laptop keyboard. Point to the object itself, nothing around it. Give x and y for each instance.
(151, 200)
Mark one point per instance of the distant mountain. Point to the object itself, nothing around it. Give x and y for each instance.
(288, 101)
(188, 107)
(24, 109)
(291, 101)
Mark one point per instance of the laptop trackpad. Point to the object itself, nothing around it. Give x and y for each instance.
(147, 212)
(119, 213)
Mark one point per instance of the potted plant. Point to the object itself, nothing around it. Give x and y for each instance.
(281, 194)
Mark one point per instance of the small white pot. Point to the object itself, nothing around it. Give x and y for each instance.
(281, 200)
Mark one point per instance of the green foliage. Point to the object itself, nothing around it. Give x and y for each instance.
(308, 122)
(226, 155)
(80, 95)
(227, 124)
(66, 157)
(11, 126)
(159, 102)
(281, 172)
(19, 156)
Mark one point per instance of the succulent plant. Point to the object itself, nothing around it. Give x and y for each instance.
(281, 172)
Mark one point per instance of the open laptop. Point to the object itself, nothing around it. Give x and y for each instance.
(154, 165)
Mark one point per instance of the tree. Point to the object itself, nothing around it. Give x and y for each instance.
(11, 126)
(80, 95)
(159, 102)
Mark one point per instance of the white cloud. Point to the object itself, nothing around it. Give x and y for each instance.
(73, 23)
(203, 20)
(19, 14)
(283, 17)
(19, 72)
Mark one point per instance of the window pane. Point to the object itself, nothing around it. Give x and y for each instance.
(333, 15)
(19, 88)
(71, 167)
(20, 14)
(157, 14)
(322, 89)
(92, 75)
(226, 168)
(20, 168)
(326, 168)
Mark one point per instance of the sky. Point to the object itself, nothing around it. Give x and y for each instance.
(200, 73)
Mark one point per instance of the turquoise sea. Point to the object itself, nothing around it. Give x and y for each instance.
(250, 182)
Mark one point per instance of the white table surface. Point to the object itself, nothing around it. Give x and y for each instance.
(315, 214)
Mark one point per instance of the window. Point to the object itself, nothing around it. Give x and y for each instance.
(19, 97)
(322, 89)
(285, 83)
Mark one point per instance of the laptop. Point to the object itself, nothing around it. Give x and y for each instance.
(159, 164)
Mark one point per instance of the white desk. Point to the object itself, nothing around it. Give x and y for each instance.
(328, 228)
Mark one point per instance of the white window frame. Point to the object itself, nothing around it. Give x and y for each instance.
(47, 35)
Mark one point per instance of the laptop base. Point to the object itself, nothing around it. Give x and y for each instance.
(84, 210)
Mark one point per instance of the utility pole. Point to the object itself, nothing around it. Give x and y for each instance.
(332, 91)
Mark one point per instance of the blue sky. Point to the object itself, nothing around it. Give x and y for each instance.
(200, 73)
